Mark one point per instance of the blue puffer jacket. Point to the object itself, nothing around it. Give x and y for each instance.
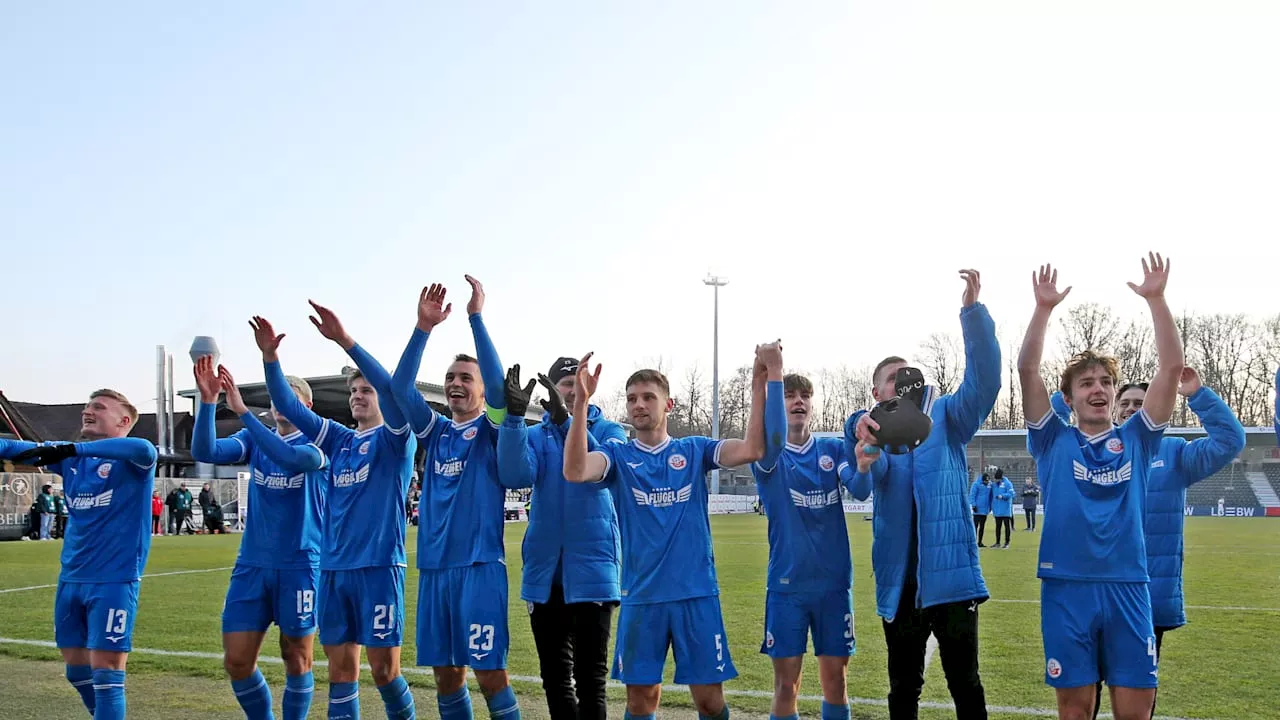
(935, 477)
(1179, 465)
(980, 497)
(1002, 498)
(573, 527)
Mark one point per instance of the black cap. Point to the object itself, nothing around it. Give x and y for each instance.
(561, 368)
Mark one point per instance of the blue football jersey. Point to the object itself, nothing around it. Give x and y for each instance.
(108, 531)
(370, 471)
(808, 539)
(661, 497)
(286, 509)
(1094, 498)
(460, 512)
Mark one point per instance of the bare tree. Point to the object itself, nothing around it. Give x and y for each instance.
(735, 403)
(1135, 348)
(692, 412)
(942, 355)
(840, 392)
(1223, 349)
(1088, 327)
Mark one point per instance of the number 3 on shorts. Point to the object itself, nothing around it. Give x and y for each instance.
(116, 621)
(477, 631)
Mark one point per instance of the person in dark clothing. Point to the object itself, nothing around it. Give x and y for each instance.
(171, 502)
(1030, 499)
(60, 520)
(182, 504)
(207, 502)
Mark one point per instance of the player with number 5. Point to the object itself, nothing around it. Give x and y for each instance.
(277, 571)
(107, 482)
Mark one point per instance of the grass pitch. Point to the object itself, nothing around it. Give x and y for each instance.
(1222, 665)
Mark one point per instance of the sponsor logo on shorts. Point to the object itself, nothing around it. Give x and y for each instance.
(1054, 668)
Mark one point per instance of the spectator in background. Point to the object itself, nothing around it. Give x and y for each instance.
(980, 501)
(44, 502)
(157, 509)
(171, 502)
(1002, 506)
(1030, 499)
(60, 510)
(206, 502)
(182, 504)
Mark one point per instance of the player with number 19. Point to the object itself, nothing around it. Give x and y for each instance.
(1095, 604)
(810, 575)
(107, 482)
(670, 595)
(277, 572)
(362, 560)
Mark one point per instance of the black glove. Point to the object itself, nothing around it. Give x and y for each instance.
(42, 455)
(517, 397)
(903, 427)
(554, 404)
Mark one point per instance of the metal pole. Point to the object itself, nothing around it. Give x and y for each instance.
(162, 434)
(716, 283)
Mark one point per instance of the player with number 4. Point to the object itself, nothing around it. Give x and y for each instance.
(277, 572)
(362, 563)
(670, 595)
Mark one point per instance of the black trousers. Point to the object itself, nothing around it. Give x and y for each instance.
(573, 653)
(1031, 518)
(979, 524)
(955, 625)
(1097, 700)
(1005, 523)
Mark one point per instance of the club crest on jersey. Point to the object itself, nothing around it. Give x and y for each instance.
(1109, 476)
(677, 462)
(364, 448)
(662, 497)
(826, 462)
(469, 433)
(1114, 445)
(1054, 668)
(104, 470)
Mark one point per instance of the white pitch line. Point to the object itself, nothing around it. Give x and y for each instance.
(535, 680)
(929, 649)
(1225, 608)
(148, 575)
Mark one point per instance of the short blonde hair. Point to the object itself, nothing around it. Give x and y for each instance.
(300, 386)
(120, 398)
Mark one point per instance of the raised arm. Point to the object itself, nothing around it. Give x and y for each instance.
(294, 458)
(281, 394)
(486, 356)
(327, 322)
(1035, 398)
(1060, 407)
(126, 449)
(751, 447)
(857, 483)
(870, 465)
(517, 462)
(581, 465)
(1162, 394)
(775, 419)
(432, 311)
(9, 449)
(980, 386)
(1225, 435)
(205, 445)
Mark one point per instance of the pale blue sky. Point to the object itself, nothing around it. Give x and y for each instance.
(169, 169)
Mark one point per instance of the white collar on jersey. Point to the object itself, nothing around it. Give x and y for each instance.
(655, 449)
(801, 449)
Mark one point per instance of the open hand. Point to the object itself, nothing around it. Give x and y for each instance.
(476, 303)
(584, 381)
(1045, 285)
(1155, 275)
(207, 379)
(972, 285)
(517, 397)
(266, 337)
(432, 309)
(228, 383)
(330, 326)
